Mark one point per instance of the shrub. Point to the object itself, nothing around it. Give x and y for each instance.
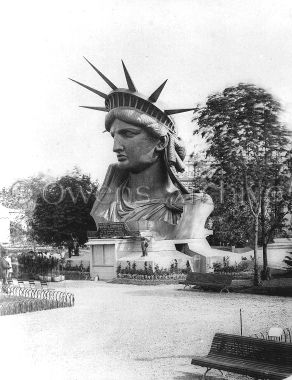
(150, 270)
(242, 266)
(37, 263)
(226, 268)
(217, 267)
(156, 269)
(119, 269)
(171, 268)
(134, 265)
(175, 266)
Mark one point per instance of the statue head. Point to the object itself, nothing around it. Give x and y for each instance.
(136, 147)
(139, 140)
(143, 132)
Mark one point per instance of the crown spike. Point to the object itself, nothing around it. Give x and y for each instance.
(114, 87)
(90, 89)
(95, 108)
(180, 110)
(130, 83)
(153, 97)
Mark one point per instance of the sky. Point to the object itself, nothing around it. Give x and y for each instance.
(200, 46)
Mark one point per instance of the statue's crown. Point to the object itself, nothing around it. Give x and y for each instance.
(131, 98)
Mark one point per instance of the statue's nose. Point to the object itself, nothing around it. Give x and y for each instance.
(118, 147)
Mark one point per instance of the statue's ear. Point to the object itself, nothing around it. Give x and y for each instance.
(162, 143)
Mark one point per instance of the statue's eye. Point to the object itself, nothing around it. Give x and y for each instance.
(125, 133)
(128, 133)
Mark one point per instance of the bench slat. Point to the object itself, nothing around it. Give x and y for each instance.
(278, 366)
(248, 356)
(243, 367)
(250, 348)
(209, 280)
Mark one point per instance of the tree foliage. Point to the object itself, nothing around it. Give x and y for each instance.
(249, 146)
(62, 211)
(231, 219)
(22, 196)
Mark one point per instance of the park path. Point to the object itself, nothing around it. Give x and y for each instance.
(117, 332)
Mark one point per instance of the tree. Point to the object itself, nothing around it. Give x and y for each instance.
(249, 146)
(22, 196)
(227, 230)
(23, 193)
(231, 219)
(62, 212)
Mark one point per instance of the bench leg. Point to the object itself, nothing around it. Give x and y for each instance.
(226, 289)
(207, 370)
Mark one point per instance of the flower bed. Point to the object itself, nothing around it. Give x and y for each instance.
(130, 271)
(137, 279)
(173, 276)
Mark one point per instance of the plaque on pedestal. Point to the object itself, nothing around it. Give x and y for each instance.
(112, 230)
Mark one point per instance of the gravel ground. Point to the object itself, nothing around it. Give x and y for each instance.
(117, 332)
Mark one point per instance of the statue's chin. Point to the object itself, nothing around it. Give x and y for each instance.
(125, 165)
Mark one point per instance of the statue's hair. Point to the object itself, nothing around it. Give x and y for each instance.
(175, 150)
(135, 117)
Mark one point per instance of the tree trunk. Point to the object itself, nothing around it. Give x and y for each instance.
(264, 238)
(265, 259)
(256, 234)
(70, 248)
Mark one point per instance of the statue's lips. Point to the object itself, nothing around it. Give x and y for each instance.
(121, 157)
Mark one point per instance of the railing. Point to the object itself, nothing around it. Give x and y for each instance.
(31, 299)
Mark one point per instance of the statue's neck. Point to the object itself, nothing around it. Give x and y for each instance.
(153, 181)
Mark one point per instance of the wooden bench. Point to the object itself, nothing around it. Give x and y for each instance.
(212, 281)
(258, 358)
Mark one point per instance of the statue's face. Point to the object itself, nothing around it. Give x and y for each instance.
(136, 149)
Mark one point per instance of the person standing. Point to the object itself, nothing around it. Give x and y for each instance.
(9, 270)
(5, 266)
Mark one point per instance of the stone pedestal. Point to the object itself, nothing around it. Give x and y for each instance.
(277, 251)
(107, 254)
(167, 243)
(159, 252)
